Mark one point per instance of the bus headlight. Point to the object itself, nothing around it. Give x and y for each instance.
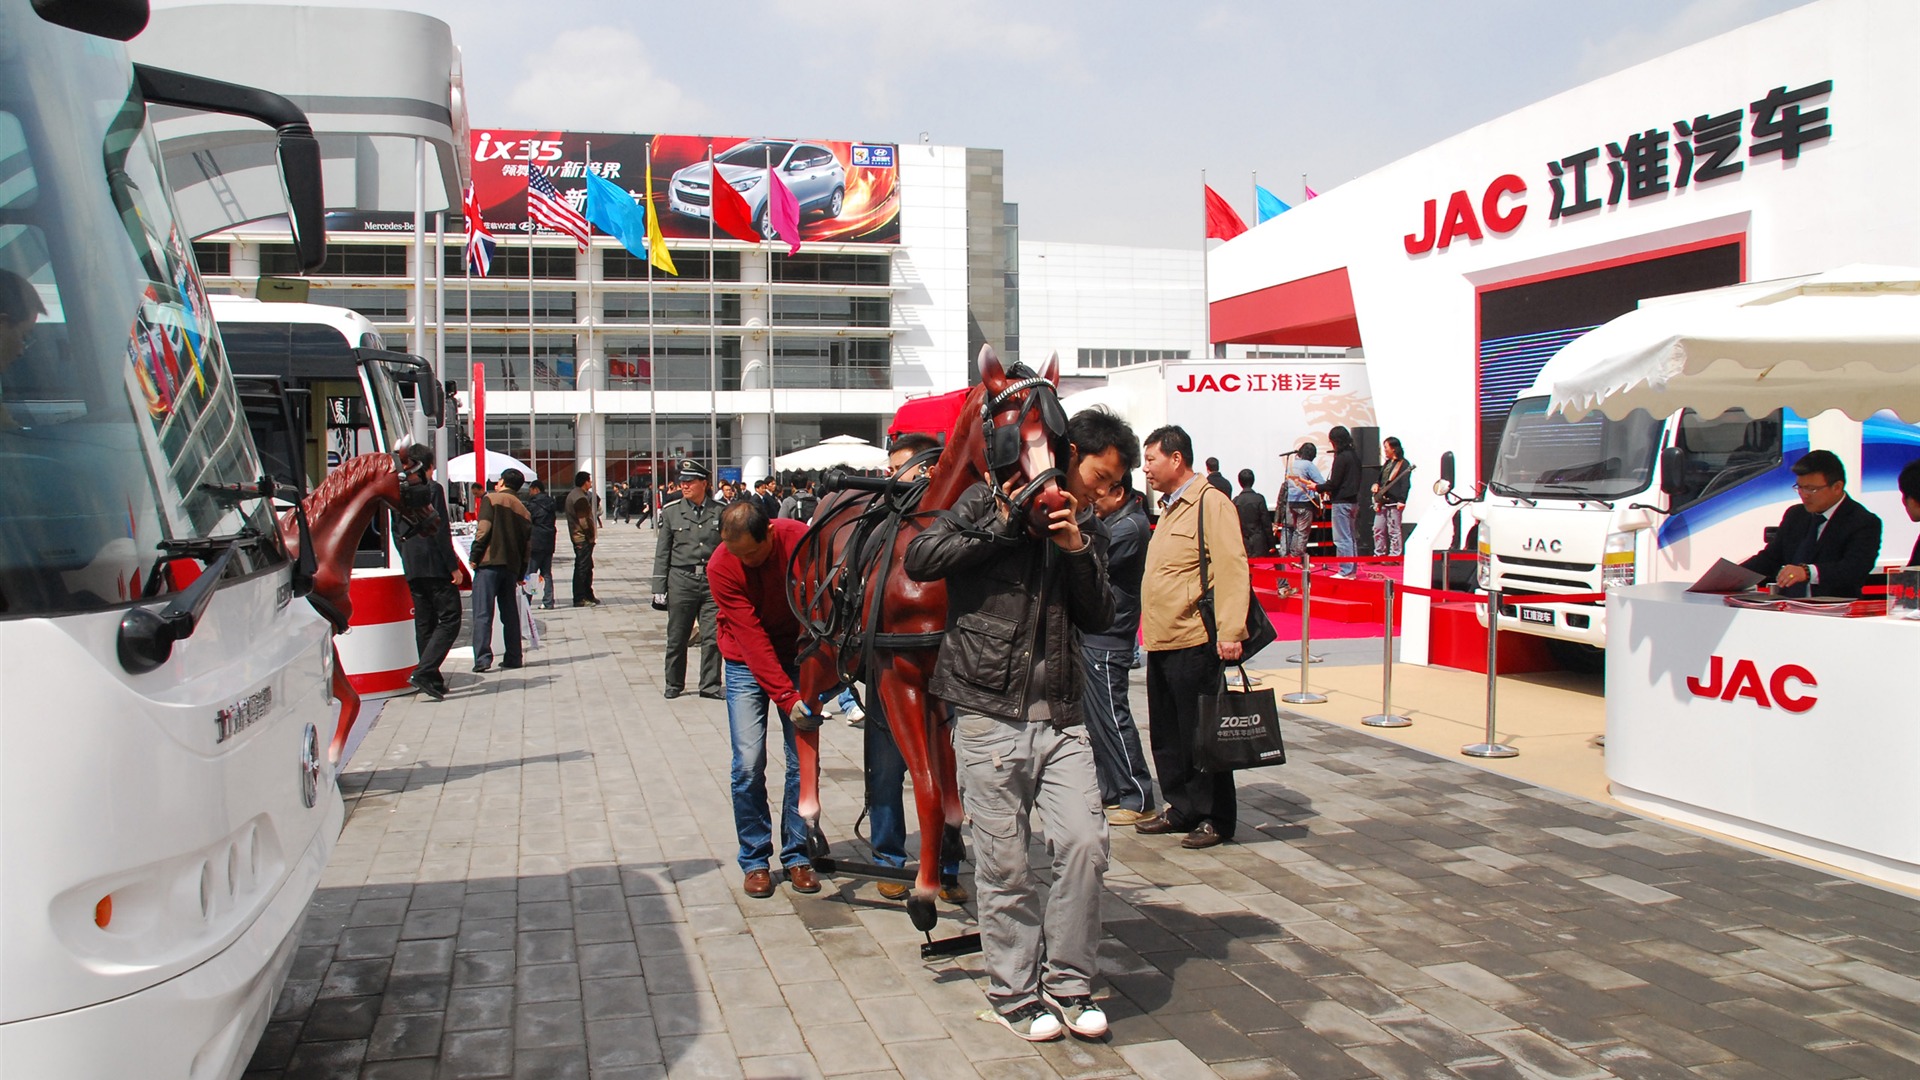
(1617, 564)
(1483, 565)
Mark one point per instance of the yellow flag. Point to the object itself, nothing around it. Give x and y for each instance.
(656, 243)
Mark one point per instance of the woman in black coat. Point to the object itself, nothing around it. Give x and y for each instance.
(1256, 524)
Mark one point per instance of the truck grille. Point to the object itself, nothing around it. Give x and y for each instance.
(1550, 564)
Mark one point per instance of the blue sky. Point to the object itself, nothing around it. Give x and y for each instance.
(1107, 111)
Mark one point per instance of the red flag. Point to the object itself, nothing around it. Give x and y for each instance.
(730, 212)
(1222, 222)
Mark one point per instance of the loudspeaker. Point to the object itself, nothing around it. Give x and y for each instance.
(1366, 440)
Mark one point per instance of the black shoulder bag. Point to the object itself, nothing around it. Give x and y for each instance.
(1260, 631)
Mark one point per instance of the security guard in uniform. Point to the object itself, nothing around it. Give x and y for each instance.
(689, 533)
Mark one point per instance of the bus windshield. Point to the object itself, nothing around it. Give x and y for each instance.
(118, 420)
(1547, 456)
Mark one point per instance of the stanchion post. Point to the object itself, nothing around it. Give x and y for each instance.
(1305, 655)
(1492, 747)
(1386, 717)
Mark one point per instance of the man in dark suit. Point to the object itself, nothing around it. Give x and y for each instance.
(1827, 545)
(1910, 501)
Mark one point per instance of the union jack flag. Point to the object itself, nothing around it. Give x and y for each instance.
(546, 207)
(479, 240)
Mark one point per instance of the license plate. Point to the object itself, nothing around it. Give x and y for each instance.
(1536, 614)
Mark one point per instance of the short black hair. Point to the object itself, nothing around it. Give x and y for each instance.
(537, 485)
(1095, 431)
(19, 300)
(1308, 450)
(1246, 479)
(1213, 464)
(580, 478)
(420, 454)
(1172, 439)
(1824, 462)
(913, 442)
(744, 517)
(513, 478)
(1910, 480)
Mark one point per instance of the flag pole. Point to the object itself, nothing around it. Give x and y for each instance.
(1256, 197)
(583, 357)
(713, 317)
(466, 262)
(653, 372)
(1206, 308)
(773, 408)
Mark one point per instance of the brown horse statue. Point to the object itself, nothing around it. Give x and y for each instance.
(897, 622)
(338, 512)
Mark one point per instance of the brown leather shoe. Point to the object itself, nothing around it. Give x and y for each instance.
(955, 894)
(1204, 835)
(802, 878)
(759, 884)
(1156, 825)
(894, 890)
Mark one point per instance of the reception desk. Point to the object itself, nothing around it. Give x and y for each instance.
(1796, 731)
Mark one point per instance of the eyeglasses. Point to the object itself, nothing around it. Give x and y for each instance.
(1808, 489)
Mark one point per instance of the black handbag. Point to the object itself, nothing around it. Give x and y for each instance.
(1238, 729)
(1260, 631)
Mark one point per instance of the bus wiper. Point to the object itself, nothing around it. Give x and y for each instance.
(147, 637)
(1509, 491)
(1579, 492)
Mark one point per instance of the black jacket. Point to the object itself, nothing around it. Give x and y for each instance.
(542, 509)
(1843, 556)
(1394, 492)
(1256, 524)
(426, 548)
(1343, 481)
(999, 582)
(1220, 482)
(1127, 535)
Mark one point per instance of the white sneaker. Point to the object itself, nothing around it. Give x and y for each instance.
(854, 715)
(1031, 1022)
(1083, 1016)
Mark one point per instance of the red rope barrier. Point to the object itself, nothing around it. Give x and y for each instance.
(1481, 598)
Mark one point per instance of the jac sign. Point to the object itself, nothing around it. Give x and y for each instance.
(1662, 159)
(1744, 681)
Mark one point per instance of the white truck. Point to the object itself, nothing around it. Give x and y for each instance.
(1593, 505)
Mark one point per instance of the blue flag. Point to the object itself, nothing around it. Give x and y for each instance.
(1270, 205)
(613, 211)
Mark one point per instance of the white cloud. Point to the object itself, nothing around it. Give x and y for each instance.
(600, 79)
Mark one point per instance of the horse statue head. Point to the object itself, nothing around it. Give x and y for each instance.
(1023, 433)
(338, 512)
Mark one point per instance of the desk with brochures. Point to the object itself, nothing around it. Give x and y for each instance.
(1785, 728)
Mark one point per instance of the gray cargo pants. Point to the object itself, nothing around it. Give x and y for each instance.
(1009, 769)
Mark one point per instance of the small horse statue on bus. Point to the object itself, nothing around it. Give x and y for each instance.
(862, 617)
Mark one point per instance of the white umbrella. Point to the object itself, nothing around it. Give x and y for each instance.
(460, 469)
(1847, 339)
(844, 451)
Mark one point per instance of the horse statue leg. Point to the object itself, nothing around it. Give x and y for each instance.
(817, 678)
(952, 848)
(909, 710)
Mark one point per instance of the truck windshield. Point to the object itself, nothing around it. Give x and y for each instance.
(117, 415)
(1547, 456)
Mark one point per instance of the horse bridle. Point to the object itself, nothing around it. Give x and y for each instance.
(1003, 441)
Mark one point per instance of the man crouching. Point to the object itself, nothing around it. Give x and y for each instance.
(1010, 668)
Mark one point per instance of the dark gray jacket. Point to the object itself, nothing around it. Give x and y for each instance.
(1127, 534)
(999, 583)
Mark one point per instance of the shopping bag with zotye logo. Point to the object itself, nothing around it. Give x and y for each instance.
(1238, 729)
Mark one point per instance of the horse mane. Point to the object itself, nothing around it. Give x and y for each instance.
(957, 470)
(345, 481)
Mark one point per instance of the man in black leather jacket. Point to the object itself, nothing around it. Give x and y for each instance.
(540, 550)
(1010, 667)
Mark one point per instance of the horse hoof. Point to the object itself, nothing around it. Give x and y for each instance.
(952, 848)
(920, 910)
(817, 846)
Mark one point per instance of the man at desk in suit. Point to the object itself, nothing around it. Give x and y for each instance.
(1827, 545)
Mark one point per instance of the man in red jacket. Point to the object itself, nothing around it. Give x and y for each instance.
(759, 640)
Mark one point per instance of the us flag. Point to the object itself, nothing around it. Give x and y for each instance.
(479, 240)
(546, 207)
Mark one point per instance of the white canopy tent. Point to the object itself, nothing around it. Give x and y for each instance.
(841, 451)
(460, 469)
(1847, 339)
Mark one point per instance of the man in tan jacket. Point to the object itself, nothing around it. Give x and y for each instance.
(1182, 665)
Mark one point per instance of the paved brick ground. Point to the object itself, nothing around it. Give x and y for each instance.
(537, 880)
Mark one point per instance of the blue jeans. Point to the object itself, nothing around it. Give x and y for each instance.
(1344, 515)
(886, 777)
(752, 818)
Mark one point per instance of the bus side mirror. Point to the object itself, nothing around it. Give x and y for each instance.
(1444, 485)
(1673, 470)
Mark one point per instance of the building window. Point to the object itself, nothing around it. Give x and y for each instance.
(620, 264)
(550, 451)
(830, 311)
(214, 258)
(1113, 358)
(549, 263)
(636, 447)
(505, 357)
(831, 364)
(380, 305)
(676, 363)
(819, 268)
(343, 260)
(670, 309)
(511, 306)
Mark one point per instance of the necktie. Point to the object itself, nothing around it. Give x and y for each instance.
(1166, 501)
(1803, 555)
